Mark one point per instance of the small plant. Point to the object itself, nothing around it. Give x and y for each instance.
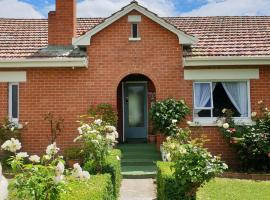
(166, 113)
(98, 138)
(72, 153)
(192, 165)
(104, 112)
(56, 126)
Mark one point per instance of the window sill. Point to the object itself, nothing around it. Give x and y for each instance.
(211, 122)
(135, 39)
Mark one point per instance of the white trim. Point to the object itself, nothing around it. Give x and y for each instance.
(226, 61)
(85, 39)
(134, 18)
(15, 120)
(135, 39)
(221, 74)
(44, 63)
(123, 110)
(208, 121)
(12, 77)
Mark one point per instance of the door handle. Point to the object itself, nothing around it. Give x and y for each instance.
(126, 99)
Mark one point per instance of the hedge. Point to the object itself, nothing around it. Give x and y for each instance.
(112, 167)
(167, 188)
(98, 187)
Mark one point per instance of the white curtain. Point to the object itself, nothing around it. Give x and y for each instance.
(202, 94)
(237, 92)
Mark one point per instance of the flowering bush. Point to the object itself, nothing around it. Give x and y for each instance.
(192, 164)
(43, 177)
(10, 130)
(167, 114)
(98, 138)
(252, 142)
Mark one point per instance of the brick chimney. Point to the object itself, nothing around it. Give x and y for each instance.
(62, 23)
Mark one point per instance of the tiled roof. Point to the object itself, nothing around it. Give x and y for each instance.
(218, 36)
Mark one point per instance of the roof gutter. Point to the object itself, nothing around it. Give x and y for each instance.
(44, 63)
(226, 61)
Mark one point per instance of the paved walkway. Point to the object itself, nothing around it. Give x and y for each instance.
(138, 189)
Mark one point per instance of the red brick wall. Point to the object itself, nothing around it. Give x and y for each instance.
(112, 57)
(3, 99)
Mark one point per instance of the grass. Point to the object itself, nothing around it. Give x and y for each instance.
(234, 189)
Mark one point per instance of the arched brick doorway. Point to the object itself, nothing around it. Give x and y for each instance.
(135, 94)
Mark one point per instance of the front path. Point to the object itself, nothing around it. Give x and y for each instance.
(138, 189)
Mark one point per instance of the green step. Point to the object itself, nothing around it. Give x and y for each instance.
(139, 160)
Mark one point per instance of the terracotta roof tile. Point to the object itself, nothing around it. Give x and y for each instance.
(218, 36)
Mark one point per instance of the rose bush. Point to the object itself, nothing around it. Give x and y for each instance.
(98, 138)
(193, 165)
(252, 142)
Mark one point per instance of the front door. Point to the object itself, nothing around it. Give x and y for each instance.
(135, 110)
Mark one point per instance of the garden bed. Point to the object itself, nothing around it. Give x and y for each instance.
(219, 188)
(249, 176)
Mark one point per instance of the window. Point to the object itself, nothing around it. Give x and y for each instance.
(134, 32)
(13, 102)
(210, 98)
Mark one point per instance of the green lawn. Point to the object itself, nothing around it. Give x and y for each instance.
(234, 189)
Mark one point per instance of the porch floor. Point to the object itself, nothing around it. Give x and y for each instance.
(139, 160)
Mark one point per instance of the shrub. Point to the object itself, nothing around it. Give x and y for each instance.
(98, 138)
(112, 166)
(252, 142)
(104, 112)
(192, 165)
(72, 153)
(98, 187)
(166, 113)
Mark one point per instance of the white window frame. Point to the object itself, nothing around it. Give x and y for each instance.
(212, 121)
(15, 120)
(132, 38)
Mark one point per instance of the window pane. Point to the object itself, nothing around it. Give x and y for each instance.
(136, 102)
(134, 30)
(14, 101)
(202, 113)
(202, 95)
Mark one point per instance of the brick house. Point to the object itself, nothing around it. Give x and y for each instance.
(130, 59)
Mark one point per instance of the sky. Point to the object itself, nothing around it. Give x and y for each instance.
(104, 8)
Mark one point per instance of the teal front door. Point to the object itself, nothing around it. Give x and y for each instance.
(135, 110)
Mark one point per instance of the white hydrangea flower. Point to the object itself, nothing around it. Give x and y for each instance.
(52, 149)
(60, 168)
(77, 170)
(98, 121)
(47, 157)
(174, 121)
(226, 126)
(110, 128)
(20, 126)
(118, 158)
(224, 111)
(22, 155)
(219, 123)
(260, 102)
(116, 134)
(111, 137)
(35, 159)
(253, 114)
(12, 145)
(84, 175)
(59, 178)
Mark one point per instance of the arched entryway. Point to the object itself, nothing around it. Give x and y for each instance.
(135, 94)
